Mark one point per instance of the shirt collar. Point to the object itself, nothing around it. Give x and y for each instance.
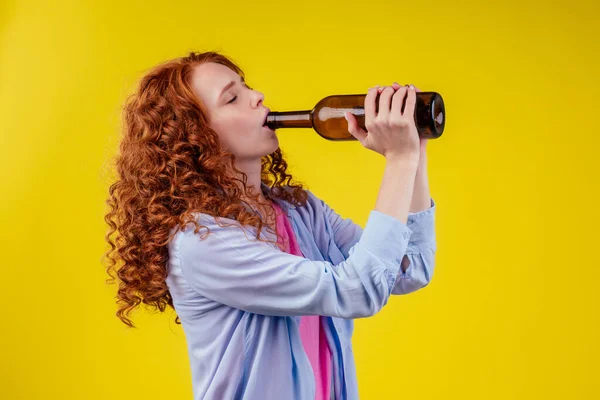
(285, 206)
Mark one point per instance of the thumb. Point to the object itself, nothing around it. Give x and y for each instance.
(353, 128)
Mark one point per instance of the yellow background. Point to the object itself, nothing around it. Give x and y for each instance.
(512, 311)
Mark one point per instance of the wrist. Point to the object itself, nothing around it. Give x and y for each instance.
(410, 160)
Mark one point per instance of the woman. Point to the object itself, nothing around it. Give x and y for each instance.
(265, 277)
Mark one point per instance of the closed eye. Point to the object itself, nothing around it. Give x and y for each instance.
(235, 97)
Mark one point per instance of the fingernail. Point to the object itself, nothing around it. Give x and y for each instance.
(346, 116)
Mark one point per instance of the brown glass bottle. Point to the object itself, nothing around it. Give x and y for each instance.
(327, 117)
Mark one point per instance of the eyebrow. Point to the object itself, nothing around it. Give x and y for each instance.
(228, 86)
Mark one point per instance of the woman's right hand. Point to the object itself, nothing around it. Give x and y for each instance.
(390, 132)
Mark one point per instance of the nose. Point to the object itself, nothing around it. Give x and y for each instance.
(257, 98)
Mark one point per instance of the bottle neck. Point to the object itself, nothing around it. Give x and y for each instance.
(289, 119)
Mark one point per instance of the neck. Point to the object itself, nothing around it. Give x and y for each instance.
(252, 168)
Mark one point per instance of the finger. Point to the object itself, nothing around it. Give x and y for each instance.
(398, 101)
(370, 104)
(385, 99)
(396, 85)
(411, 99)
(353, 127)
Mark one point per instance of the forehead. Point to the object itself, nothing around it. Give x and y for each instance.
(209, 78)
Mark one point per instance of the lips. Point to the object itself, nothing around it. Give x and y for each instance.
(266, 115)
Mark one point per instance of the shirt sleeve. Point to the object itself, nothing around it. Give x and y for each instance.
(419, 260)
(232, 267)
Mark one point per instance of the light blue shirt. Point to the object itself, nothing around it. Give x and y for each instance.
(240, 300)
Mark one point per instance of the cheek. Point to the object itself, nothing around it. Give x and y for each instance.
(234, 135)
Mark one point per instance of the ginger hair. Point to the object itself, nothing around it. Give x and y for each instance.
(171, 164)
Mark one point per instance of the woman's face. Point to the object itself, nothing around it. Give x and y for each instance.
(235, 112)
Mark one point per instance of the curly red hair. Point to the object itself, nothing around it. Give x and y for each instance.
(171, 164)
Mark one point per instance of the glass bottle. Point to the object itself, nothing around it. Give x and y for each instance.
(327, 117)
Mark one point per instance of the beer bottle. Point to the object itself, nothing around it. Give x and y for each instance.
(327, 117)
